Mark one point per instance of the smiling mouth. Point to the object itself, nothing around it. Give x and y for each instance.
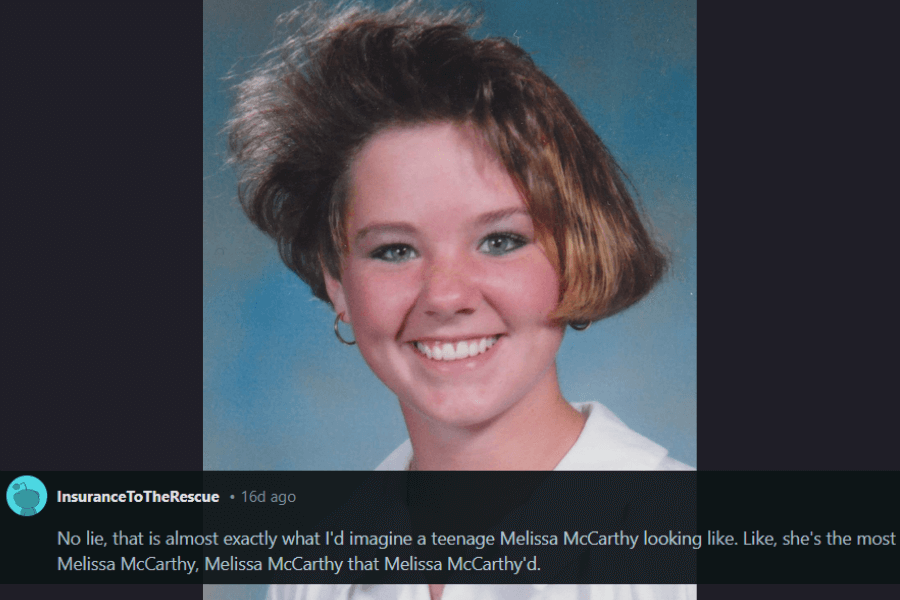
(456, 351)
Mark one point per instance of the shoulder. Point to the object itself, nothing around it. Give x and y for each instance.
(607, 444)
(670, 464)
(398, 460)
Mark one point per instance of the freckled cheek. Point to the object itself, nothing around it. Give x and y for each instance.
(531, 289)
(548, 298)
(378, 305)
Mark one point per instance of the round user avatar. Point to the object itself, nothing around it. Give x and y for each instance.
(26, 495)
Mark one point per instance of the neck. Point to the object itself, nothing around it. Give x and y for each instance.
(534, 435)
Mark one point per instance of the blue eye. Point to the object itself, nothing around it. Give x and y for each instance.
(498, 244)
(396, 253)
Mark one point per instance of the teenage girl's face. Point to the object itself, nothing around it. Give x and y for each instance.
(447, 292)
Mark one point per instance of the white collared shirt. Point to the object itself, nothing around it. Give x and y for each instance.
(605, 444)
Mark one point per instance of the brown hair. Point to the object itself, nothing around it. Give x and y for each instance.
(342, 76)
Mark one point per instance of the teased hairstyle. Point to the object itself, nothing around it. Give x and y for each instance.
(342, 76)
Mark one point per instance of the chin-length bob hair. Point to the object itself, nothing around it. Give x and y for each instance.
(345, 74)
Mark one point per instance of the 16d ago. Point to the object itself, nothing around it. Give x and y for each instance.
(282, 499)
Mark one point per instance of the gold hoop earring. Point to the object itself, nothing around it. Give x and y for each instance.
(337, 320)
(580, 325)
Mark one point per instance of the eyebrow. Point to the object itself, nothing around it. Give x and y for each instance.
(499, 215)
(399, 227)
(402, 227)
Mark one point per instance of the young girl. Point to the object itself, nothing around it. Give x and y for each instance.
(452, 205)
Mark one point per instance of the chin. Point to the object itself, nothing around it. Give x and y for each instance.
(452, 412)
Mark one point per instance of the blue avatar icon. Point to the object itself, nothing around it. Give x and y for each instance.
(27, 499)
(26, 495)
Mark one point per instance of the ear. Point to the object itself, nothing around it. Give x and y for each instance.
(336, 294)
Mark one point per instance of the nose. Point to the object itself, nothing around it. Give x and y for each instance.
(449, 289)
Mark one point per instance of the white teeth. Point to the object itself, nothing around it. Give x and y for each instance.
(449, 352)
(463, 349)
